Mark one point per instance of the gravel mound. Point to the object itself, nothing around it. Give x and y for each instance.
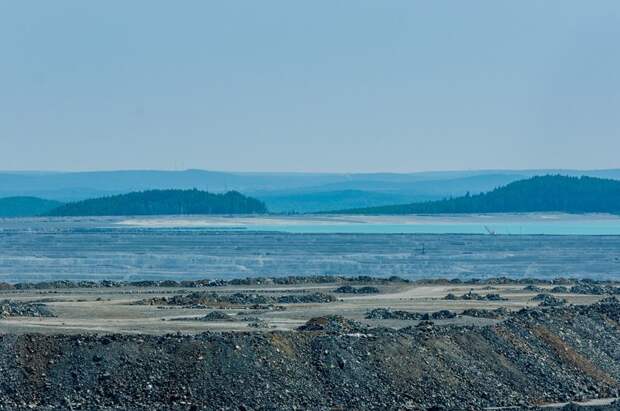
(200, 283)
(594, 288)
(475, 296)
(333, 324)
(217, 316)
(10, 308)
(208, 298)
(439, 315)
(306, 298)
(191, 299)
(259, 324)
(482, 313)
(615, 406)
(388, 314)
(347, 289)
(548, 300)
(535, 356)
(247, 299)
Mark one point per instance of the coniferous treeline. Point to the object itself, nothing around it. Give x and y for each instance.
(536, 194)
(163, 202)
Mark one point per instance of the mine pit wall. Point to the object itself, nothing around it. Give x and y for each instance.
(534, 357)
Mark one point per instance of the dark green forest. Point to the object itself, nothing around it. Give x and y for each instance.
(536, 194)
(163, 202)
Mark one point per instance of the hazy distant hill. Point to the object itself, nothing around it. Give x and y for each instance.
(25, 206)
(163, 202)
(282, 192)
(311, 202)
(537, 194)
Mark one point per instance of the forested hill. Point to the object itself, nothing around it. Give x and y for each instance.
(163, 202)
(25, 206)
(536, 194)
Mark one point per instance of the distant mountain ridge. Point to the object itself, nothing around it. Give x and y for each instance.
(312, 202)
(281, 192)
(551, 193)
(163, 202)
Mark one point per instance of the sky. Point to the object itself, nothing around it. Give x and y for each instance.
(322, 85)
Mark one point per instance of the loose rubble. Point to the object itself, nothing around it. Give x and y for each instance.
(594, 288)
(580, 284)
(258, 323)
(283, 280)
(305, 298)
(475, 296)
(333, 324)
(388, 314)
(483, 313)
(202, 299)
(535, 356)
(548, 300)
(347, 289)
(10, 308)
(217, 316)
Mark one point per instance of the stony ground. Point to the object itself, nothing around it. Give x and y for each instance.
(535, 356)
(282, 303)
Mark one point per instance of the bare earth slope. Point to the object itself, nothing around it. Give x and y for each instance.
(535, 356)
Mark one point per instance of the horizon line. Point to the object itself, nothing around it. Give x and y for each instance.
(136, 170)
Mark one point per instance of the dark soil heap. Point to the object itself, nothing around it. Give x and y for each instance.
(535, 356)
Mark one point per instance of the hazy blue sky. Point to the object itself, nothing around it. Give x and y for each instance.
(309, 86)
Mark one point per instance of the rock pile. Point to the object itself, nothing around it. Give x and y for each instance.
(347, 289)
(535, 356)
(482, 313)
(306, 298)
(9, 308)
(475, 296)
(217, 316)
(388, 314)
(259, 324)
(439, 315)
(333, 324)
(200, 299)
(594, 288)
(548, 300)
(285, 280)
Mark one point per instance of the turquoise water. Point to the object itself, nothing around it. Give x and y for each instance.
(560, 228)
(192, 247)
(502, 224)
